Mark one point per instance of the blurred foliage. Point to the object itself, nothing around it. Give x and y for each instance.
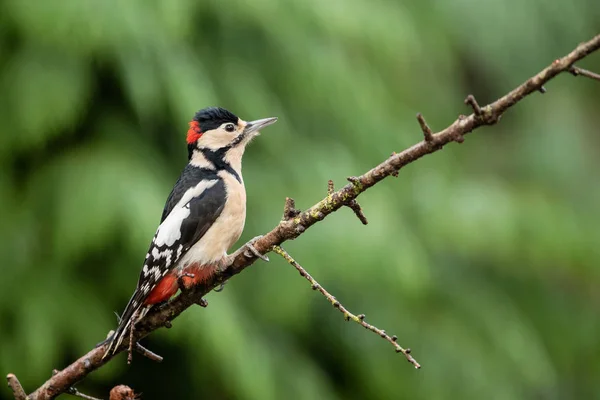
(482, 258)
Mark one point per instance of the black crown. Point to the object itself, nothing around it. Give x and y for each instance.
(213, 117)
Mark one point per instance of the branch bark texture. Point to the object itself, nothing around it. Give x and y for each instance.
(294, 223)
(348, 316)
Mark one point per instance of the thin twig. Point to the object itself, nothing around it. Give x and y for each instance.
(291, 229)
(427, 133)
(15, 386)
(352, 204)
(330, 187)
(289, 209)
(576, 71)
(74, 392)
(138, 347)
(147, 353)
(348, 316)
(470, 101)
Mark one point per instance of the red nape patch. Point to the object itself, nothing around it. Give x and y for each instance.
(194, 132)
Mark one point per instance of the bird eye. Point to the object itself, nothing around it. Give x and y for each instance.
(229, 127)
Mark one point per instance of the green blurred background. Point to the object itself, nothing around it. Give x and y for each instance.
(482, 258)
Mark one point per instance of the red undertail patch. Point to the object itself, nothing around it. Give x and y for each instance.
(201, 274)
(168, 286)
(165, 289)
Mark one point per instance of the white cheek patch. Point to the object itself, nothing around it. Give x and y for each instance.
(217, 139)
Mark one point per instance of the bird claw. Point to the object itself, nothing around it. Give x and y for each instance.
(181, 282)
(220, 288)
(250, 250)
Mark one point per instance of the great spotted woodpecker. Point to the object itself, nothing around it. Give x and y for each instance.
(203, 217)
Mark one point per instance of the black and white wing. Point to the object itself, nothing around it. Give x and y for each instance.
(194, 204)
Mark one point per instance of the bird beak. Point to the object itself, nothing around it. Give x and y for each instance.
(255, 126)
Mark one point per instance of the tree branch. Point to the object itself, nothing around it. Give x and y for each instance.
(15, 386)
(73, 391)
(427, 133)
(576, 71)
(348, 316)
(291, 228)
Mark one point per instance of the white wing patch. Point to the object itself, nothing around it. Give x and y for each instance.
(169, 231)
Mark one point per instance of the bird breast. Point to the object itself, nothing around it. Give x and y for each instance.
(226, 230)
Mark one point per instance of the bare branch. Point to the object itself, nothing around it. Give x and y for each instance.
(292, 228)
(352, 204)
(427, 133)
(289, 209)
(348, 316)
(576, 71)
(147, 353)
(470, 100)
(77, 393)
(330, 187)
(358, 211)
(15, 386)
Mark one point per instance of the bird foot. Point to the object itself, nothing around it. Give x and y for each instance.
(248, 250)
(181, 282)
(220, 288)
(251, 249)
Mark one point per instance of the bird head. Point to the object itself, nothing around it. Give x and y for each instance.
(215, 129)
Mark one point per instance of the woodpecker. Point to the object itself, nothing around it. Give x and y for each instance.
(203, 217)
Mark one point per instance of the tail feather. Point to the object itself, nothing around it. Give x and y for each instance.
(125, 322)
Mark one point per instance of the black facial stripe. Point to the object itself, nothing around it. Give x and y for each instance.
(237, 140)
(217, 158)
